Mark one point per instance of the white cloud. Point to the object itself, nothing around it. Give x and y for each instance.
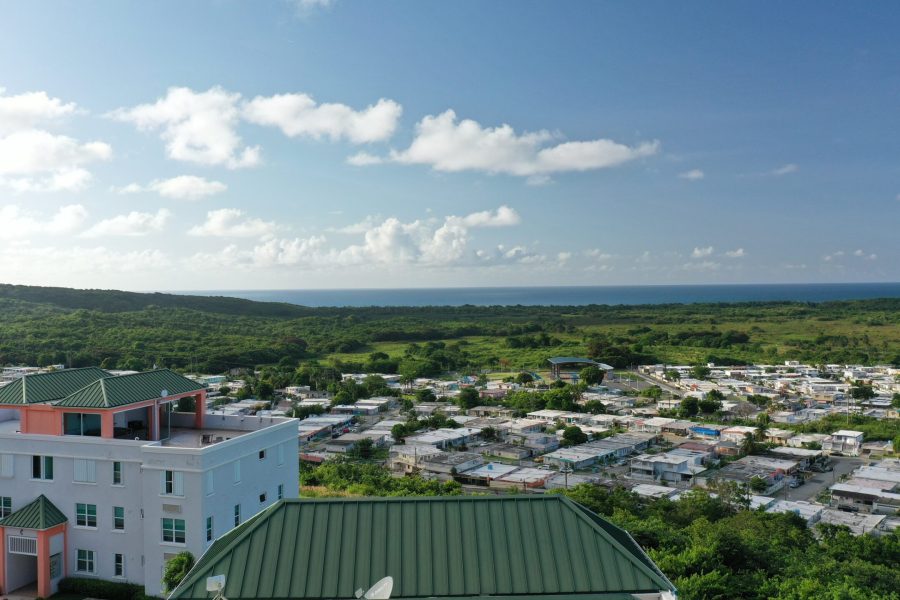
(231, 222)
(702, 252)
(299, 115)
(306, 7)
(502, 217)
(133, 224)
(182, 187)
(62, 180)
(448, 145)
(72, 265)
(833, 255)
(18, 223)
(34, 151)
(860, 253)
(198, 127)
(27, 110)
(692, 175)
(598, 254)
(364, 159)
(785, 169)
(737, 253)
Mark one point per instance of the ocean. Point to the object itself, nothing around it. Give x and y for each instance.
(569, 295)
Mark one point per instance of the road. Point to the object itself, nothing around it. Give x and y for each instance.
(820, 481)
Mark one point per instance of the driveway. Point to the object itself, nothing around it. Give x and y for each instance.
(821, 481)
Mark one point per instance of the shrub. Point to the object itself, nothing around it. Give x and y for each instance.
(99, 588)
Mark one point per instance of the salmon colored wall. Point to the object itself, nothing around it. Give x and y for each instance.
(42, 421)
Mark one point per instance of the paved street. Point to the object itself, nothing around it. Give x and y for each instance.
(820, 481)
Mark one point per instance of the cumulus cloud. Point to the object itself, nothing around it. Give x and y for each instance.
(62, 180)
(19, 223)
(692, 175)
(198, 127)
(702, 252)
(784, 170)
(364, 159)
(298, 115)
(705, 265)
(68, 265)
(133, 224)
(736, 253)
(24, 111)
(599, 255)
(232, 222)
(183, 187)
(387, 242)
(449, 145)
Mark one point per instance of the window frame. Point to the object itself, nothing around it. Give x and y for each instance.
(210, 528)
(41, 464)
(117, 518)
(5, 506)
(237, 514)
(174, 530)
(90, 558)
(119, 565)
(86, 515)
(118, 473)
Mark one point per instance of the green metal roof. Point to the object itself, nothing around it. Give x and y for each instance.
(38, 514)
(122, 390)
(463, 546)
(566, 360)
(45, 387)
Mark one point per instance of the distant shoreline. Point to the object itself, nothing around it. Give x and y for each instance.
(567, 295)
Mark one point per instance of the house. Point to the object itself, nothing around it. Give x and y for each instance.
(857, 523)
(807, 440)
(674, 466)
(744, 470)
(809, 512)
(291, 546)
(491, 411)
(844, 441)
(510, 451)
(451, 462)
(445, 438)
(849, 496)
(524, 478)
(568, 368)
(804, 456)
(737, 433)
(707, 431)
(773, 435)
(101, 476)
(540, 443)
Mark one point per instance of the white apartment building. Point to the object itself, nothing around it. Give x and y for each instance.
(101, 477)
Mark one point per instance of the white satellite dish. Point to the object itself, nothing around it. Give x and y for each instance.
(216, 584)
(380, 591)
(163, 393)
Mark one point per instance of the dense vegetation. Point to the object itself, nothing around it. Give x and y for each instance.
(711, 548)
(128, 330)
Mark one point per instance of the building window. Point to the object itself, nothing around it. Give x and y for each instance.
(262, 454)
(119, 518)
(85, 562)
(280, 491)
(173, 531)
(85, 471)
(86, 515)
(119, 565)
(210, 483)
(262, 498)
(209, 529)
(81, 424)
(237, 472)
(173, 483)
(5, 506)
(117, 473)
(237, 515)
(42, 467)
(6, 465)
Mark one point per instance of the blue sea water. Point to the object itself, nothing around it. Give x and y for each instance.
(570, 295)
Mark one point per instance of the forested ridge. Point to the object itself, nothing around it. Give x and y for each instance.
(40, 325)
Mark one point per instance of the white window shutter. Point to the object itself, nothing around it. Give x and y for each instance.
(162, 482)
(179, 483)
(6, 465)
(80, 469)
(90, 471)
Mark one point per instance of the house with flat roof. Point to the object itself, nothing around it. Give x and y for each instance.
(291, 550)
(101, 475)
(844, 441)
(568, 367)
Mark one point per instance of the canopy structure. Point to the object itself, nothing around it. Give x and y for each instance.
(534, 547)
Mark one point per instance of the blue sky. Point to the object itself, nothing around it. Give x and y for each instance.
(292, 144)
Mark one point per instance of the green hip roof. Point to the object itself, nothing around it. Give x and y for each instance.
(38, 514)
(112, 392)
(45, 387)
(468, 547)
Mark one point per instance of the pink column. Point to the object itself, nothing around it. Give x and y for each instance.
(199, 409)
(107, 424)
(43, 564)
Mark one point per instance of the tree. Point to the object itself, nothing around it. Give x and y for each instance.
(573, 435)
(265, 390)
(709, 404)
(425, 395)
(176, 570)
(861, 391)
(758, 484)
(524, 377)
(363, 449)
(592, 375)
(672, 375)
(654, 391)
(186, 404)
(343, 397)
(690, 406)
(895, 402)
(224, 390)
(468, 398)
(489, 434)
(700, 371)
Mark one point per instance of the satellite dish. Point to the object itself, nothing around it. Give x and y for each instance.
(163, 393)
(380, 591)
